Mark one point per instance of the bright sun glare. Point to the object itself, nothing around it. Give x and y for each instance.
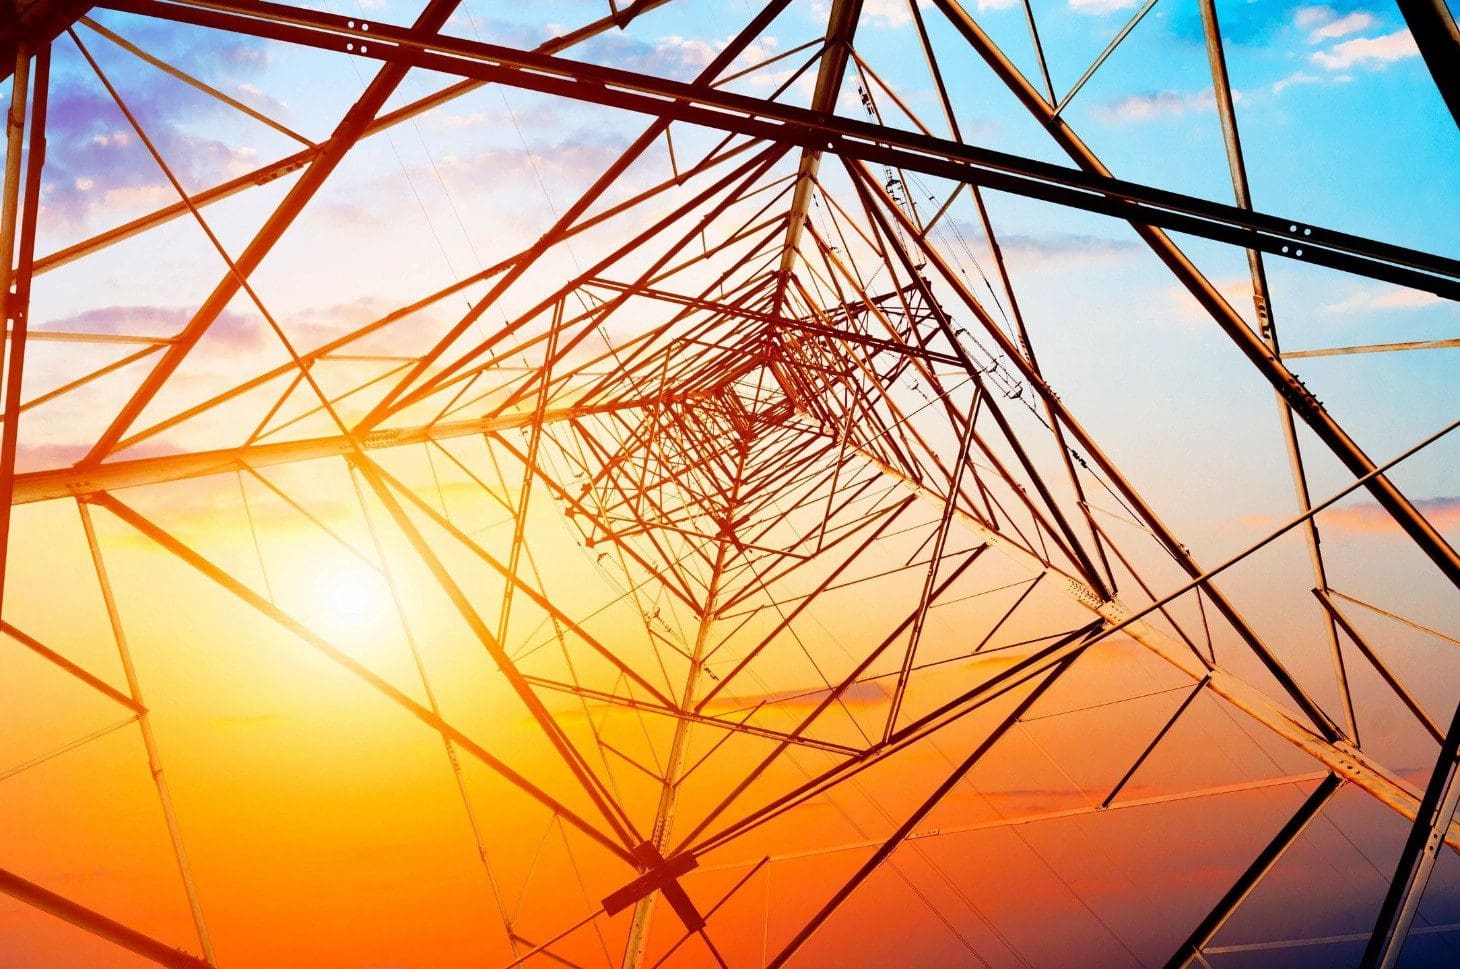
(348, 603)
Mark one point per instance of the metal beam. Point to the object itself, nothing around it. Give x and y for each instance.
(350, 130)
(78, 482)
(1267, 328)
(1417, 860)
(19, 210)
(841, 27)
(33, 24)
(1267, 363)
(885, 850)
(1261, 865)
(1338, 756)
(1090, 190)
(97, 924)
(1373, 348)
(1433, 27)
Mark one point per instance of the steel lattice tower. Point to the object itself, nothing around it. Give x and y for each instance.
(723, 527)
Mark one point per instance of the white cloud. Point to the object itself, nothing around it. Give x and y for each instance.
(1294, 79)
(1097, 8)
(1342, 27)
(1369, 300)
(1367, 51)
(1063, 250)
(1309, 17)
(671, 55)
(1182, 311)
(263, 101)
(687, 50)
(887, 14)
(1324, 23)
(1136, 108)
(112, 139)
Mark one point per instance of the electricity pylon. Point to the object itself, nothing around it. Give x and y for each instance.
(765, 382)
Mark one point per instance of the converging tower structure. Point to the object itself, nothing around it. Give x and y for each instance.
(679, 483)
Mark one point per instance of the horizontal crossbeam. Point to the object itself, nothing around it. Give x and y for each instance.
(80, 482)
(775, 122)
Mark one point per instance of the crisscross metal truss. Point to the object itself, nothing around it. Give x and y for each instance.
(643, 489)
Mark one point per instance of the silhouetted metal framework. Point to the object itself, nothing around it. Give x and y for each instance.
(741, 457)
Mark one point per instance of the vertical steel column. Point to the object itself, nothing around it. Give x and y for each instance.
(1227, 111)
(149, 740)
(1015, 311)
(519, 526)
(669, 792)
(841, 27)
(17, 254)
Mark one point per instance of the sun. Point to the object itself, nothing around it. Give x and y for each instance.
(350, 604)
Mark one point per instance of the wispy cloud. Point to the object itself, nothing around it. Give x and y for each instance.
(671, 56)
(1298, 78)
(155, 321)
(1255, 24)
(1443, 513)
(1324, 23)
(53, 432)
(96, 164)
(1098, 8)
(1307, 18)
(1156, 105)
(1342, 27)
(1372, 300)
(1337, 62)
(884, 14)
(1370, 52)
(1185, 312)
(1369, 517)
(261, 100)
(1064, 250)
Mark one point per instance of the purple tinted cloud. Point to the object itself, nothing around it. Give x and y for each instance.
(96, 162)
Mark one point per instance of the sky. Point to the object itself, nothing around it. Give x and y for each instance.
(326, 826)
